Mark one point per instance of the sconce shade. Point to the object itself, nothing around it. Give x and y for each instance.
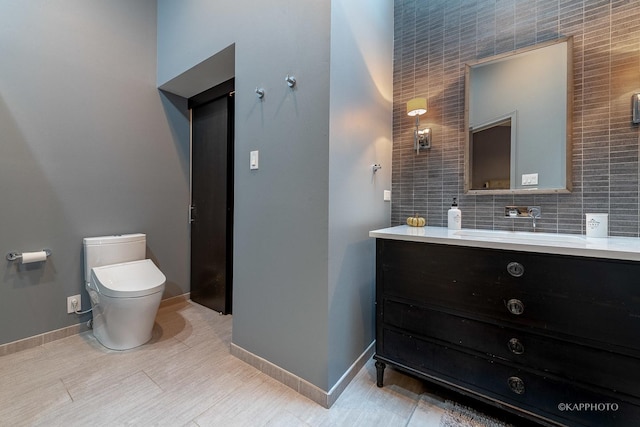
(417, 107)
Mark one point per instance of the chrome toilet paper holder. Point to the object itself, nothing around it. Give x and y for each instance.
(14, 256)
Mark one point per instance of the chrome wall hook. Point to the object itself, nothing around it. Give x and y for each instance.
(259, 92)
(291, 81)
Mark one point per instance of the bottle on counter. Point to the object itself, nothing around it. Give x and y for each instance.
(454, 216)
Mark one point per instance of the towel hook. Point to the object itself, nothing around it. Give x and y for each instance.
(291, 81)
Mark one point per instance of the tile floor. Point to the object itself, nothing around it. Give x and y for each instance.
(186, 377)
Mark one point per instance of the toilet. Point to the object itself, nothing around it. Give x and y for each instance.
(125, 289)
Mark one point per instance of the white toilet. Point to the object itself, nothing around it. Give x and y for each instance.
(125, 289)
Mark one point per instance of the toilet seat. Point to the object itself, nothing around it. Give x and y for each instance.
(128, 279)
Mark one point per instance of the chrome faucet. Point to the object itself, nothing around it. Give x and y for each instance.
(534, 213)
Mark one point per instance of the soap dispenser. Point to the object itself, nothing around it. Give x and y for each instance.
(454, 217)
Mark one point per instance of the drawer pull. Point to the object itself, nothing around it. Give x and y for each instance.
(516, 385)
(515, 269)
(515, 306)
(516, 346)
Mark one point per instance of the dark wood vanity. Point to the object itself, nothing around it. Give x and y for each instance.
(552, 337)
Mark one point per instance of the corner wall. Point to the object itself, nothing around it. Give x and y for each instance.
(304, 265)
(281, 214)
(360, 136)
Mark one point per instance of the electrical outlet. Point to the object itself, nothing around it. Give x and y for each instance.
(530, 179)
(70, 300)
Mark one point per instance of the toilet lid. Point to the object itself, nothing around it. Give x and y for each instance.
(128, 279)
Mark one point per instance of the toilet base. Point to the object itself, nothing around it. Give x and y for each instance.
(124, 323)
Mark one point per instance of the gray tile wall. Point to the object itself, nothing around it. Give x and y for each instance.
(433, 41)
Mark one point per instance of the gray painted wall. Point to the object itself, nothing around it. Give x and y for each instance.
(360, 136)
(281, 219)
(303, 273)
(88, 147)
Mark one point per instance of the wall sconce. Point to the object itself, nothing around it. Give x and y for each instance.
(421, 137)
(424, 138)
(635, 108)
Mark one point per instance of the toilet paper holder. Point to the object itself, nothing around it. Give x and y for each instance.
(14, 256)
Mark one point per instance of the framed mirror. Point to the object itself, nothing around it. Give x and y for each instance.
(518, 112)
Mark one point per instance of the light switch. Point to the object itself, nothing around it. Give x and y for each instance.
(253, 160)
(387, 195)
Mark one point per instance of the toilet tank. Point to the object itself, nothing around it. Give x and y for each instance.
(107, 250)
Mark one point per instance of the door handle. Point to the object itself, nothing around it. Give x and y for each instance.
(192, 213)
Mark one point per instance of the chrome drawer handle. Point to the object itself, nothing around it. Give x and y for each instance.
(516, 385)
(516, 346)
(515, 269)
(515, 306)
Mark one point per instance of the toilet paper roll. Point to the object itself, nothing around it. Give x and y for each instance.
(28, 257)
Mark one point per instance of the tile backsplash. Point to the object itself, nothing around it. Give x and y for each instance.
(433, 41)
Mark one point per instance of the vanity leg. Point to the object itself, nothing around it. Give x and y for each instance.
(380, 372)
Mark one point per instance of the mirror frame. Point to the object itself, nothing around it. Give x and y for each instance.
(569, 121)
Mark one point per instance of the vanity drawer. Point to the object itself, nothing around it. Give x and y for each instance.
(604, 282)
(601, 281)
(543, 395)
(568, 295)
(568, 360)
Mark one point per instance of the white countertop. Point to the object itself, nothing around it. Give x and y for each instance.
(625, 248)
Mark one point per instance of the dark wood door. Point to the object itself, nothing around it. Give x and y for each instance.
(212, 203)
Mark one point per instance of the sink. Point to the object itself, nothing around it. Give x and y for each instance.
(520, 236)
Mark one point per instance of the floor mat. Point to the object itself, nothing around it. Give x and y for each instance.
(433, 411)
(456, 415)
